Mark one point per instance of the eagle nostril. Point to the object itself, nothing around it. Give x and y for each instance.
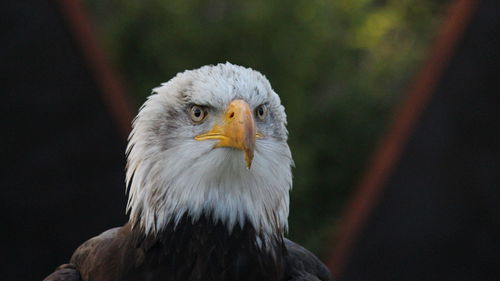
(231, 115)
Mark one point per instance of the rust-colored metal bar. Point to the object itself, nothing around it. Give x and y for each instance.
(112, 87)
(393, 142)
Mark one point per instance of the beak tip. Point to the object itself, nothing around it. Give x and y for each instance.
(248, 160)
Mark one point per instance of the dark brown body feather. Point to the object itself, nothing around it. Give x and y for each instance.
(200, 251)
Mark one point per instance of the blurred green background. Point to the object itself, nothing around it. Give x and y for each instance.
(339, 67)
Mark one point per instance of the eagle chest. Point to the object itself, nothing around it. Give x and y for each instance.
(206, 251)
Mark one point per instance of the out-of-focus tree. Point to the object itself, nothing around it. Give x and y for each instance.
(339, 67)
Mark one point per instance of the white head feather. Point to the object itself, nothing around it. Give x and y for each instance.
(169, 174)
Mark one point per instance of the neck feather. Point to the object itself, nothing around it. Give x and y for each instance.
(195, 180)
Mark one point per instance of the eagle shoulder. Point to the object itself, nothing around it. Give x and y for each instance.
(302, 265)
(100, 257)
(65, 272)
(87, 258)
(108, 256)
(92, 247)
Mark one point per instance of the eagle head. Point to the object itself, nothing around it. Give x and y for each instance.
(210, 141)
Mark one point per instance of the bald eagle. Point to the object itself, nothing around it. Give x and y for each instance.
(208, 179)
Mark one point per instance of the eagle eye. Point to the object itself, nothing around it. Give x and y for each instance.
(198, 113)
(261, 111)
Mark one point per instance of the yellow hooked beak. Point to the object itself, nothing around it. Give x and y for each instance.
(236, 129)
